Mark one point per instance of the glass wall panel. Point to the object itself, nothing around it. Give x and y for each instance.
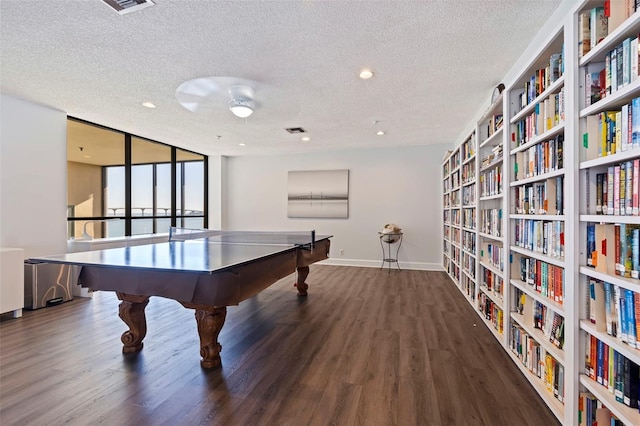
(190, 189)
(114, 190)
(90, 148)
(150, 185)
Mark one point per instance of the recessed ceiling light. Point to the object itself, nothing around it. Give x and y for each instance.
(366, 74)
(380, 133)
(87, 156)
(148, 105)
(242, 144)
(306, 138)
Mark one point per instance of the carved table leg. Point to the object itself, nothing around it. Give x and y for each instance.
(210, 320)
(132, 313)
(303, 272)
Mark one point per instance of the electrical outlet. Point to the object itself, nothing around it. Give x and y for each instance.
(341, 252)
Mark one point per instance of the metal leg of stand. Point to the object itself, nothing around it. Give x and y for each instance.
(387, 257)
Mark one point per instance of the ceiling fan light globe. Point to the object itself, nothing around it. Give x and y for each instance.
(242, 111)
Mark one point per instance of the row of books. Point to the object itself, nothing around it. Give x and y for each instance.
(617, 190)
(454, 198)
(491, 311)
(469, 241)
(593, 28)
(542, 79)
(537, 360)
(541, 236)
(610, 132)
(468, 218)
(468, 148)
(469, 195)
(545, 116)
(455, 254)
(539, 159)
(597, 23)
(491, 222)
(455, 179)
(455, 217)
(495, 156)
(541, 317)
(491, 282)
(609, 368)
(614, 249)
(592, 412)
(540, 276)
(615, 310)
(455, 236)
(468, 172)
(619, 69)
(469, 264)
(493, 254)
(454, 271)
(468, 287)
(546, 197)
(495, 124)
(455, 160)
(491, 182)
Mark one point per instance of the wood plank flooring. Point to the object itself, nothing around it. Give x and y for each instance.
(364, 348)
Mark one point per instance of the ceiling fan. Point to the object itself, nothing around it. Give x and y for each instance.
(239, 95)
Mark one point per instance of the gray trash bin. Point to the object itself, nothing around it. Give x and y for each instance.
(48, 284)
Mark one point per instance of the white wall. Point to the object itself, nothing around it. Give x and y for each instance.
(399, 185)
(217, 191)
(33, 177)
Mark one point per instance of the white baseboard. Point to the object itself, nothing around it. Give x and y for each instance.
(419, 266)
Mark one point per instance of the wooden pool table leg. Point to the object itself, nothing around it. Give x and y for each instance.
(210, 320)
(132, 313)
(303, 273)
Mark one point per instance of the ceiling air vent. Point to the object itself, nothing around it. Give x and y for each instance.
(295, 130)
(128, 6)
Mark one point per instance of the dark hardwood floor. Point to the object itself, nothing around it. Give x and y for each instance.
(364, 348)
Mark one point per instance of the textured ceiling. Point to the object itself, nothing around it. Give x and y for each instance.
(435, 64)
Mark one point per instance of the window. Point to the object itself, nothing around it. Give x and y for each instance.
(119, 184)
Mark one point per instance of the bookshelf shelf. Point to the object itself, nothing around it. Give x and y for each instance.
(495, 297)
(628, 283)
(492, 268)
(603, 218)
(628, 28)
(553, 88)
(496, 333)
(494, 139)
(552, 260)
(611, 159)
(615, 99)
(543, 123)
(537, 178)
(556, 307)
(547, 396)
(621, 347)
(549, 134)
(629, 416)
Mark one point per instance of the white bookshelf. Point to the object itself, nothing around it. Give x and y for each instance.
(491, 133)
(537, 151)
(590, 165)
(502, 214)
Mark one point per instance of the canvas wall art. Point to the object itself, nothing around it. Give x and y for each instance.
(318, 194)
